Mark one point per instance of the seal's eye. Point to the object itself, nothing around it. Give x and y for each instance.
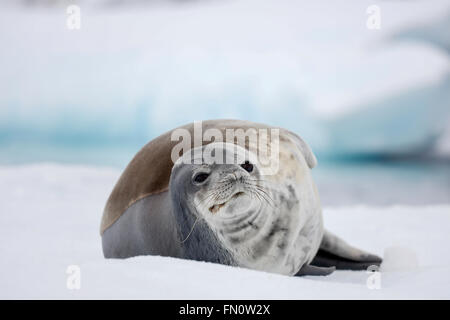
(247, 166)
(201, 177)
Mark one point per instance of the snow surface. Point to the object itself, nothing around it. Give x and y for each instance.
(50, 216)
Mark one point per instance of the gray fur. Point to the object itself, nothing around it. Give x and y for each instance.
(157, 225)
(198, 242)
(147, 227)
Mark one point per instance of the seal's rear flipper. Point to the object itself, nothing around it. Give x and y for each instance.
(309, 270)
(336, 252)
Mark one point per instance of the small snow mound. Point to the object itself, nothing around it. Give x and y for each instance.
(399, 258)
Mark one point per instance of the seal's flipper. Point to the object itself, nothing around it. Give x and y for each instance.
(336, 252)
(309, 270)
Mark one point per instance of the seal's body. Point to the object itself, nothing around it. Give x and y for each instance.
(229, 212)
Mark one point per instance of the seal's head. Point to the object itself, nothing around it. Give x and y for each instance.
(228, 210)
(217, 195)
(219, 181)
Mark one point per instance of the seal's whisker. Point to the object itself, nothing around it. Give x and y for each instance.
(224, 181)
(260, 196)
(267, 199)
(260, 180)
(253, 179)
(262, 189)
(190, 232)
(257, 189)
(254, 183)
(212, 197)
(208, 196)
(264, 194)
(263, 198)
(254, 194)
(213, 193)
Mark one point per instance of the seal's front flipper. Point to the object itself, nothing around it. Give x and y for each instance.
(336, 252)
(309, 270)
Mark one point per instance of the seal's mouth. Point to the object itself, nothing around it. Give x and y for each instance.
(219, 206)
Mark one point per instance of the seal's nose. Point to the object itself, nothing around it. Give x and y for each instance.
(235, 175)
(239, 176)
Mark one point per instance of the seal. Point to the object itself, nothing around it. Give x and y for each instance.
(217, 203)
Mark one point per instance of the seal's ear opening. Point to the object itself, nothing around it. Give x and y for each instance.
(306, 150)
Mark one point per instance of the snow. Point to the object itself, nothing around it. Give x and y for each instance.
(50, 216)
